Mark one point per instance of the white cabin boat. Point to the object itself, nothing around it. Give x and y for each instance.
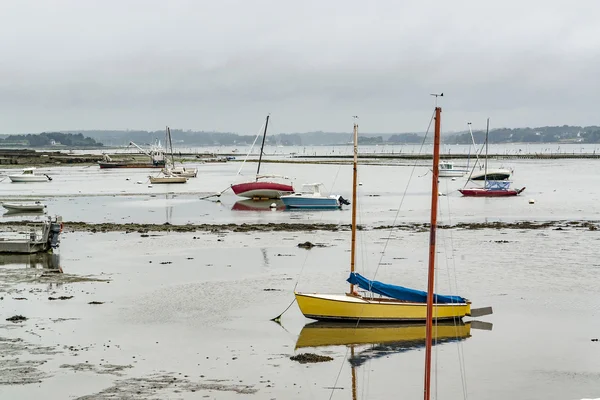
(448, 170)
(310, 197)
(29, 175)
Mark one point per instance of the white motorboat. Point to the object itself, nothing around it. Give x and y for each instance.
(310, 197)
(32, 206)
(34, 242)
(448, 170)
(29, 175)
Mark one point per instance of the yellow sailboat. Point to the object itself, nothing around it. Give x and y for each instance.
(395, 303)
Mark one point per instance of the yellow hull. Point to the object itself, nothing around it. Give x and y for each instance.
(319, 334)
(351, 308)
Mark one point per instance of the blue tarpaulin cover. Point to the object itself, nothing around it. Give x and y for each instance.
(497, 185)
(400, 292)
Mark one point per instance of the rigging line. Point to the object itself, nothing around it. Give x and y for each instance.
(337, 378)
(389, 236)
(260, 131)
(276, 319)
(474, 165)
(403, 196)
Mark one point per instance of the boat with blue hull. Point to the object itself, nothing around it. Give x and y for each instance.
(310, 197)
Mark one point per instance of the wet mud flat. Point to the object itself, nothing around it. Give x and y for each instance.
(185, 315)
(74, 226)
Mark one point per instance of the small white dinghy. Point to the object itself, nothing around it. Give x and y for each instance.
(31, 206)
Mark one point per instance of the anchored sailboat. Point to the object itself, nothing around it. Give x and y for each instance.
(495, 181)
(263, 186)
(396, 303)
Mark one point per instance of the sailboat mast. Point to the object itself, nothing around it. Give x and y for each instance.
(171, 146)
(487, 131)
(432, 234)
(262, 146)
(354, 178)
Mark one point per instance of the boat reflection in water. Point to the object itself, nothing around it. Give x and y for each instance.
(402, 337)
(258, 205)
(369, 341)
(47, 262)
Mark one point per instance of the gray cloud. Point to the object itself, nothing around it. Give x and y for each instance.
(223, 65)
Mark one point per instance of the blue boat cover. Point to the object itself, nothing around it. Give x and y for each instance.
(400, 292)
(497, 185)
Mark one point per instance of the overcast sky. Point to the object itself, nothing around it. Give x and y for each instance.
(223, 65)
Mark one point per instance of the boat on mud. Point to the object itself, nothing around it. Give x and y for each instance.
(263, 186)
(24, 207)
(29, 175)
(310, 197)
(35, 242)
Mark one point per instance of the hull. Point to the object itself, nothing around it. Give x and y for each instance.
(113, 164)
(22, 247)
(176, 179)
(477, 192)
(309, 202)
(23, 207)
(262, 190)
(331, 307)
(492, 175)
(24, 178)
(321, 334)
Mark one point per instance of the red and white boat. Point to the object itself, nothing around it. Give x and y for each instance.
(491, 191)
(263, 186)
(496, 183)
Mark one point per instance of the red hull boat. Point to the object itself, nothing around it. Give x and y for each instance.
(262, 190)
(480, 192)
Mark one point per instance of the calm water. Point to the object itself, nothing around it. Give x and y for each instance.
(198, 308)
(206, 314)
(562, 189)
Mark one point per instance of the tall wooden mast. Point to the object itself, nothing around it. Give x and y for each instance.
(354, 178)
(432, 234)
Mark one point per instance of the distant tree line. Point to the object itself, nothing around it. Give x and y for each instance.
(95, 138)
(545, 134)
(47, 139)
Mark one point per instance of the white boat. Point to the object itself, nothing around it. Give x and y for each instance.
(170, 168)
(29, 175)
(33, 206)
(35, 241)
(448, 170)
(185, 172)
(310, 197)
(498, 174)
